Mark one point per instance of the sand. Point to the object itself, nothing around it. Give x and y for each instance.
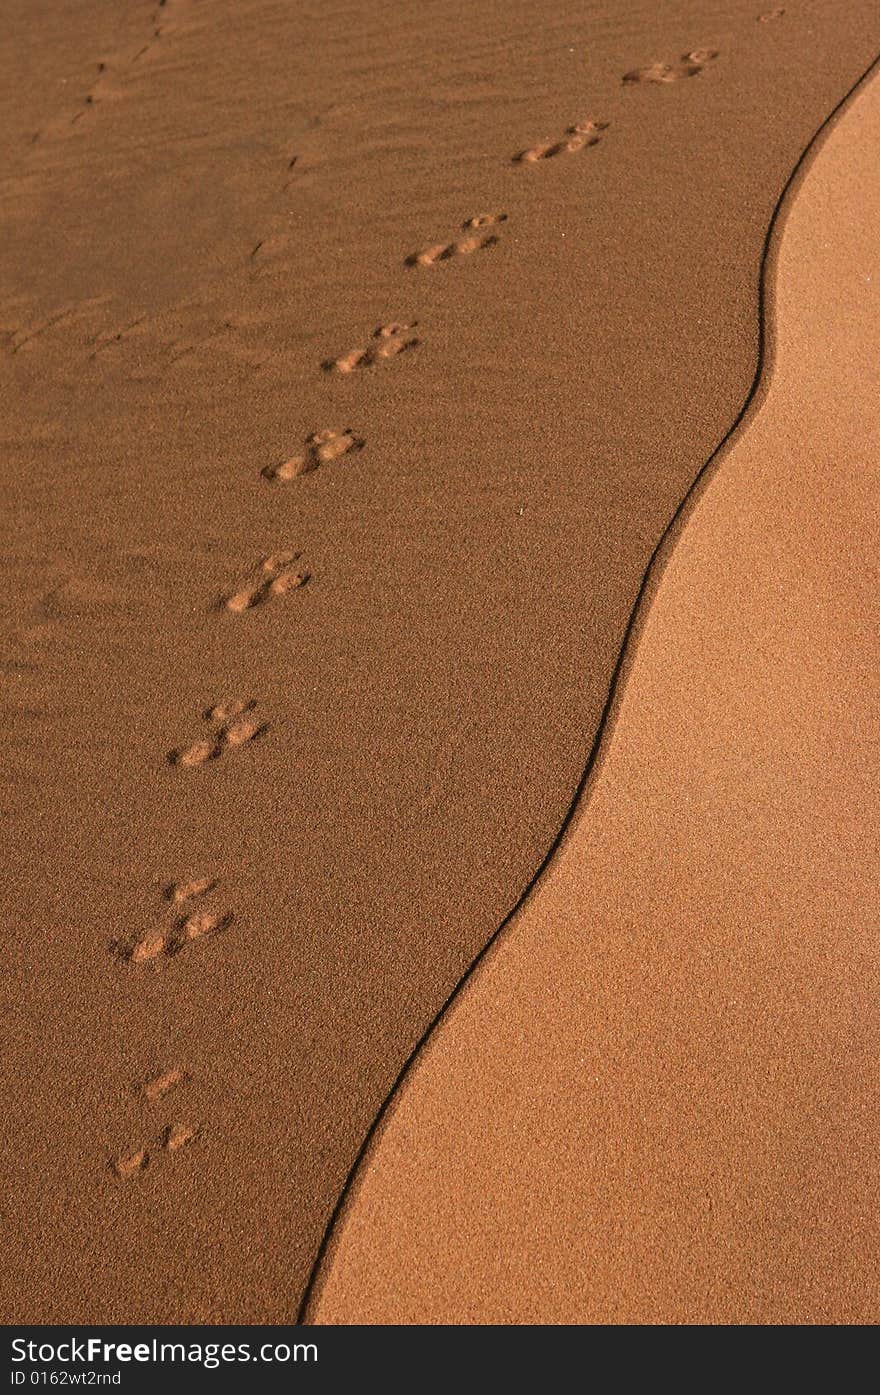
(203, 205)
(655, 1100)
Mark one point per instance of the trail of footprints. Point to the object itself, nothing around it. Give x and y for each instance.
(109, 81)
(194, 912)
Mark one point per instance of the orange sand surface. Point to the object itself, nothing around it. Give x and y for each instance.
(354, 357)
(656, 1100)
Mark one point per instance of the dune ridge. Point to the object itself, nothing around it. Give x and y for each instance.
(652, 1102)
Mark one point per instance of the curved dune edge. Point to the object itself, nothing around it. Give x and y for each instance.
(653, 1102)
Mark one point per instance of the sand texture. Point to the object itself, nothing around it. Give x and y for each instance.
(353, 360)
(656, 1099)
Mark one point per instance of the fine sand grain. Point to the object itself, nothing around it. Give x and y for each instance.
(656, 1100)
(354, 358)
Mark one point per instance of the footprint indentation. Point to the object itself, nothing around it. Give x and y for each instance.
(689, 65)
(177, 1136)
(274, 576)
(150, 946)
(234, 726)
(178, 892)
(770, 15)
(479, 235)
(321, 448)
(172, 1139)
(222, 711)
(388, 341)
(483, 220)
(578, 137)
(197, 924)
(197, 753)
(243, 730)
(163, 1084)
(128, 1165)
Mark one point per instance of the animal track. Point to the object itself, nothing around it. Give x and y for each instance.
(172, 1138)
(771, 15)
(176, 1136)
(234, 726)
(102, 89)
(101, 92)
(165, 19)
(578, 137)
(321, 447)
(388, 341)
(689, 65)
(165, 941)
(275, 576)
(477, 238)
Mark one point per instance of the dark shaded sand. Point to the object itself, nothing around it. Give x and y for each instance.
(656, 1099)
(202, 205)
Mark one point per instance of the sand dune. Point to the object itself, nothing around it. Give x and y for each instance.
(440, 312)
(655, 1101)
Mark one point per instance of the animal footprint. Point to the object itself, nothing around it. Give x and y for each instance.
(102, 91)
(321, 448)
(388, 341)
(477, 238)
(689, 65)
(163, 1084)
(577, 137)
(173, 1137)
(771, 15)
(150, 946)
(176, 1136)
(128, 1165)
(168, 942)
(165, 941)
(178, 892)
(234, 725)
(273, 577)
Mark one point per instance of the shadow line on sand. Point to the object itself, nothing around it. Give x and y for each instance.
(651, 578)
